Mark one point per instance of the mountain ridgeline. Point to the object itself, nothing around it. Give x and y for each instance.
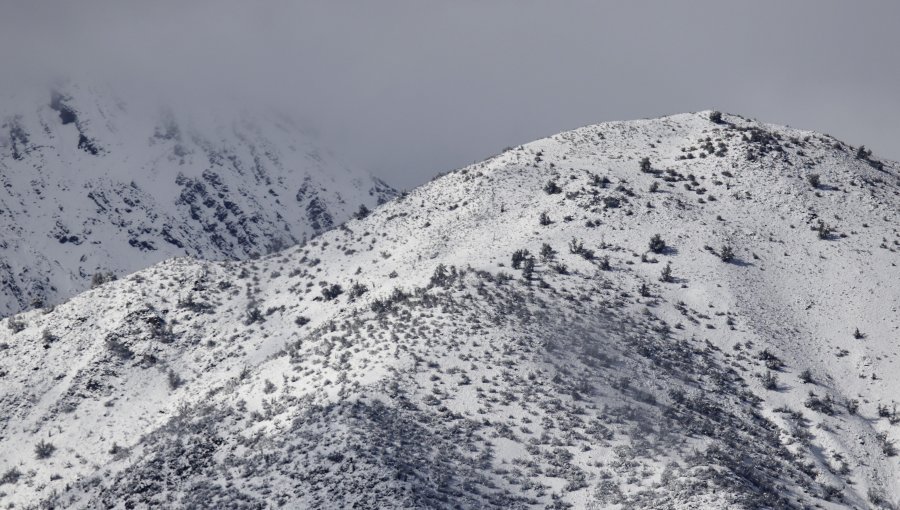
(95, 187)
(696, 311)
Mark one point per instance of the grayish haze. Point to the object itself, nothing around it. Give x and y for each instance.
(409, 88)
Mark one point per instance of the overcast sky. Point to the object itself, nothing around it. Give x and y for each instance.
(410, 88)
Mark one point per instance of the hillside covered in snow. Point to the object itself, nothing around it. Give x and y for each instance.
(94, 185)
(697, 311)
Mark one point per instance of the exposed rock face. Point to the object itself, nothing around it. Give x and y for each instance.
(91, 184)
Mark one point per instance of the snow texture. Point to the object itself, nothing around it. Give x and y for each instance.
(457, 348)
(92, 185)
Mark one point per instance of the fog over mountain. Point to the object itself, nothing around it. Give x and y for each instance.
(408, 88)
(331, 254)
(97, 182)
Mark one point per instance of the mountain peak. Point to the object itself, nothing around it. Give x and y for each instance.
(650, 314)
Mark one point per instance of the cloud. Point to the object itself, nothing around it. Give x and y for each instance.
(408, 88)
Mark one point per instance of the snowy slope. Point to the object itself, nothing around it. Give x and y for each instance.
(92, 183)
(417, 358)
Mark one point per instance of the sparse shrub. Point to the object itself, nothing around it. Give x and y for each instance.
(547, 253)
(852, 406)
(254, 315)
(16, 325)
(440, 277)
(576, 246)
(726, 254)
(657, 245)
(806, 377)
(518, 257)
(11, 475)
(831, 493)
(269, 387)
(645, 165)
(175, 380)
(887, 445)
(101, 278)
(770, 381)
(604, 264)
(823, 405)
(814, 180)
(551, 188)
(362, 212)
(528, 268)
(601, 182)
(644, 290)
(858, 335)
(544, 219)
(330, 292)
(771, 361)
(654, 187)
(43, 449)
(116, 346)
(666, 275)
(824, 230)
(48, 338)
(357, 290)
(876, 497)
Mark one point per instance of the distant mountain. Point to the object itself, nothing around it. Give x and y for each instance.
(93, 184)
(566, 325)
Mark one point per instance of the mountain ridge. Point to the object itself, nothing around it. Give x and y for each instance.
(504, 336)
(94, 184)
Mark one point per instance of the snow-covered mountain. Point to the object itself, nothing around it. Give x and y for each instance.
(93, 184)
(564, 325)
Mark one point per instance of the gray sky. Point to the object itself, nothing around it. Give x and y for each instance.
(409, 88)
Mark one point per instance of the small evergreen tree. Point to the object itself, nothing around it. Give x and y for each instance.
(726, 253)
(645, 165)
(657, 245)
(362, 212)
(547, 253)
(545, 219)
(440, 277)
(715, 117)
(666, 275)
(518, 257)
(770, 381)
(551, 188)
(644, 290)
(528, 268)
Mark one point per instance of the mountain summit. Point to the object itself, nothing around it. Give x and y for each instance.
(697, 311)
(94, 186)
